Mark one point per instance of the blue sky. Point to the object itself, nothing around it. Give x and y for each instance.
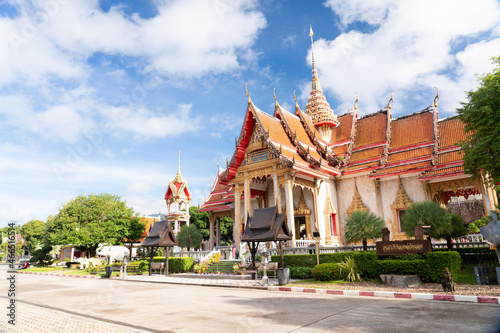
(99, 96)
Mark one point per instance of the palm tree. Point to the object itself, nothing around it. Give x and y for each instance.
(363, 225)
(427, 213)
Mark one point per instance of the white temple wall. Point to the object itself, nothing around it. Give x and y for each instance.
(389, 190)
(323, 190)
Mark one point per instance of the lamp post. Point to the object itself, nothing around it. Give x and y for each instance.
(426, 230)
(317, 239)
(265, 278)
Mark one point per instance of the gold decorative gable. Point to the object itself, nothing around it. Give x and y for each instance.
(357, 202)
(402, 199)
(257, 140)
(401, 202)
(302, 208)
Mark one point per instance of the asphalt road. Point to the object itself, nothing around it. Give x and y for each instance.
(44, 301)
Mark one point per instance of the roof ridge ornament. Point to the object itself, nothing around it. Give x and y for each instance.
(356, 102)
(248, 95)
(274, 95)
(295, 98)
(436, 98)
(389, 106)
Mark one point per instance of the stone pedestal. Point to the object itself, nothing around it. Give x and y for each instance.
(411, 281)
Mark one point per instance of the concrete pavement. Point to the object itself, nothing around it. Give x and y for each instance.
(131, 306)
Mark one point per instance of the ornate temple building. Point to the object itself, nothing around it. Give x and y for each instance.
(318, 168)
(178, 198)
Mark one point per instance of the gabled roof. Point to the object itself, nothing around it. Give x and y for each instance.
(266, 225)
(161, 234)
(449, 155)
(221, 196)
(289, 139)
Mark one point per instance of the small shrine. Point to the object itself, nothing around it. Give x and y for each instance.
(178, 198)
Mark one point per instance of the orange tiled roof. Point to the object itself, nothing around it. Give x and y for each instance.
(371, 129)
(340, 149)
(296, 125)
(276, 131)
(451, 131)
(366, 153)
(412, 129)
(402, 168)
(410, 154)
(360, 166)
(444, 171)
(452, 156)
(343, 130)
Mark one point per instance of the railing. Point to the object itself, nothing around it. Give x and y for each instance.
(191, 254)
(304, 242)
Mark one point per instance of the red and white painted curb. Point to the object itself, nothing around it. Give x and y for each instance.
(391, 294)
(56, 274)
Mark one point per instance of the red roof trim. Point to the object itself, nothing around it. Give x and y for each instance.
(401, 172)
(372, 145)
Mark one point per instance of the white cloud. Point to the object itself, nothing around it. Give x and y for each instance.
(139, 187)
(411, 50)
(145, 124)
(189, 38)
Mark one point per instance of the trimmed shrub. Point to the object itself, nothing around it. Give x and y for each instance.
(327, 272)
(176, 265)
(300, 272)
(180, 265)
(437, 261)
(474, 255)
(310, 260)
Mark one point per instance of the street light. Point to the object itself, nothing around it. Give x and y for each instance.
(317, 239)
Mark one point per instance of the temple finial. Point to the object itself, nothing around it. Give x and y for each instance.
(274, 95)
(390, 100)
(436, 98)
(356, 102)
(248, 95)
(295, 98)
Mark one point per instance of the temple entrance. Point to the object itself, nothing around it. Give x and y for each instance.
(300, 227)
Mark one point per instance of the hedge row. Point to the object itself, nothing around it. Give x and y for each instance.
(475, 255)
(176, 265)
(430, 267)
(328, 272)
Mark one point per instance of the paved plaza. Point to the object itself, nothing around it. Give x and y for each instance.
(62, 304)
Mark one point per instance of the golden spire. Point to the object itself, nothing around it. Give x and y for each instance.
(178, 177)
(436, 98)
(315, 84)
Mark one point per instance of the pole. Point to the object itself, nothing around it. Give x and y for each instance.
(317, 250)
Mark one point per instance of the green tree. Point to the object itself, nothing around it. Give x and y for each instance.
(189, 237)
(201, 220)
(481, 116)
(427, 213)
(89, 220)
(458, 229)
(33, 233)
(226, 230)
(363, 225)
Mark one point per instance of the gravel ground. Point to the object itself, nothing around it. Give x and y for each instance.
(431, 288)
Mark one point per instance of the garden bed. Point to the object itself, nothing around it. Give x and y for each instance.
(432, 288)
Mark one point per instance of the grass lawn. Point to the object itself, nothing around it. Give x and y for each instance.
(465, 276)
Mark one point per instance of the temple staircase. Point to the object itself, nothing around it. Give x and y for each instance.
(223, 266)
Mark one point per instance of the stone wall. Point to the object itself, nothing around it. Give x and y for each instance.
(469, 210)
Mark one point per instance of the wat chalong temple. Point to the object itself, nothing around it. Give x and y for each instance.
(317, 167)
(177, 198)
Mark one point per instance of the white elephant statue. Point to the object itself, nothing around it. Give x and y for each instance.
(112, 253)
(84, 263)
